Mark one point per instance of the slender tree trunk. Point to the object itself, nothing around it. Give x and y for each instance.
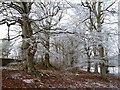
(101, 48)
(88, 59)
(102, 63)
(96, 64)
(96, 68)
(89, 66)
(46, 61)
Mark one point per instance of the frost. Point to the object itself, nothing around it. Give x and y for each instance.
(28, 80)
(16, 76)
(77, 74)
(100, 85)
(8, 68)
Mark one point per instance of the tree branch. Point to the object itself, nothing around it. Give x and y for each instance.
(110, 5)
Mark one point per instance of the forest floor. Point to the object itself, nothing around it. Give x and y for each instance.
(57, 78)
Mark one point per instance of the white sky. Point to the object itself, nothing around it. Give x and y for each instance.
(3, 31)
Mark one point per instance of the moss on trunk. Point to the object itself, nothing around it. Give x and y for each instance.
(46, 61)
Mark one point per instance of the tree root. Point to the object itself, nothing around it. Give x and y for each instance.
(41, 72)
(47, 65)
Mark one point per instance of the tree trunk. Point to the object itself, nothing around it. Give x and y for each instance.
(101, 49)
(96, 64)
(88, 59)
(96, 68)
(102, 63)
(46, 61)
(89, 63)
(28, 45)
(89, 66)
(30, 60)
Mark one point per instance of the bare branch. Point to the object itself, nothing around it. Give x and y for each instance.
(110, 5)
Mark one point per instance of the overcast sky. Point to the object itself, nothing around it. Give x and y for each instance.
(3, 31)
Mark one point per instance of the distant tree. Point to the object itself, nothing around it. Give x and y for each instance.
(96, 20)
(47, 26)
(6, 48)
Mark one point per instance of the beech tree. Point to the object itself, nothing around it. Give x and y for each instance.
(48, 26)
(18, 12)
(96, 20)
(90, 24)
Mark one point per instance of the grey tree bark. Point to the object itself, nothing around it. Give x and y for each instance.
(29, 44)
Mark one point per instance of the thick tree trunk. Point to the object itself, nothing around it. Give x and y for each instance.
(27, 47)
(30, 60)
(28, 43)
(103, 70)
